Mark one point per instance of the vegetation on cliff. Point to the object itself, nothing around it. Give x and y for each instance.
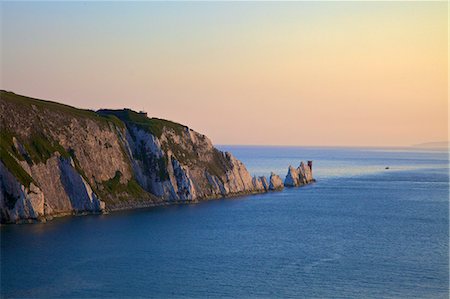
(7, 154)
(29, 103)
(183, 148)
(85, 161)
(62, 149)
(153, 125)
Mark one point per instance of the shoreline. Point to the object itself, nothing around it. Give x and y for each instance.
(144, 205)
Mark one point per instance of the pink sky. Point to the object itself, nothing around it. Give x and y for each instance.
(303, 73)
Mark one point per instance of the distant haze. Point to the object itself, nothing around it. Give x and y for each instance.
(440, 144)
(289, 73)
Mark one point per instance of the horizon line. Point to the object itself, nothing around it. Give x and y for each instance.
(421, 145)
(416, 146)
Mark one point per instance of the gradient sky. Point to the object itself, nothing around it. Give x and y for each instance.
(290, 73)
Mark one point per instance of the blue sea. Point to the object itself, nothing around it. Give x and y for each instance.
(361, 231)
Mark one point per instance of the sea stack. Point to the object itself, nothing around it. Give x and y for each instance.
(300, 176)
(260, 183)
(275, 182)
(265, 183)
(292, 177)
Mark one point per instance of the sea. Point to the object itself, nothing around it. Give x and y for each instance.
(360, 231)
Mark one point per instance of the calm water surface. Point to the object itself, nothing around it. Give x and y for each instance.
(360, 232)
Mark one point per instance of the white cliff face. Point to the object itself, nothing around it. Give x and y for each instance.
(66, 191)
(149, 163)
(97, 148)
(275, 182)
(18, 202)
(183, 165)
(184, 185)
(48, 176)
(62, 191)
(238, 179)
(216, 186)
(80, 194)
(68, 153)
(82, 162)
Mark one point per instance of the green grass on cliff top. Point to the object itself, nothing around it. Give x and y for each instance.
(26, 102)
(57, 107)
(40, 149)
(117, 117)
(153, 125)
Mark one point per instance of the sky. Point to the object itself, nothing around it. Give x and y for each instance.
(261, 73)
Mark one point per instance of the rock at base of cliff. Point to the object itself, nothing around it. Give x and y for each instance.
(275, 182)
(265, 183)
(298, 177)
(292, 177)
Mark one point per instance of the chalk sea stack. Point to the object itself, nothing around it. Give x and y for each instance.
(299, 176)
(275, 182)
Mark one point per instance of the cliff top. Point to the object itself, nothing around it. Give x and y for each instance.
(44, 127)
(118, 117)
(21, 100)
(152, 125)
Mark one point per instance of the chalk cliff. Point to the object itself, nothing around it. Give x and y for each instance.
(58, 160)
(176, 163)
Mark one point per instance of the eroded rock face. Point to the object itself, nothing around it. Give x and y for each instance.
(18, 202)
(79, 192)
(257, 183)
(275, 182)
(59, 160)
(62, 191)
(68, 155)
(298, 177)
(183, 182)
(292, 177)
(150, 163)
(265, 183)
(305, 174)
(238, 179)
(183, 165)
